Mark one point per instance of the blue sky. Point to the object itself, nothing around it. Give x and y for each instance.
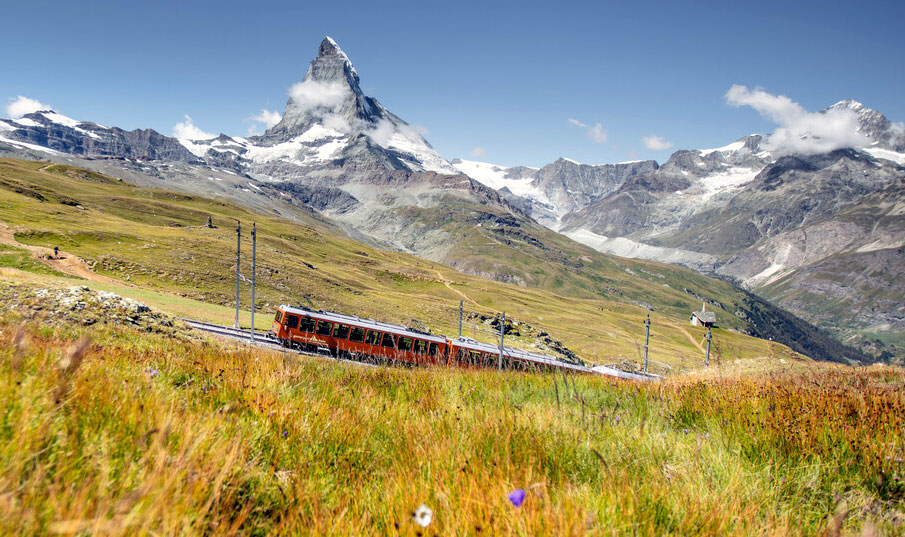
(502, 77)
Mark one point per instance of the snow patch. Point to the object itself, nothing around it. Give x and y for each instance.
(197, 149)
(61, 119)
(406, 140)
(734, 146)
(29, 146)
(624, 247)
(495, 177)
(880, 153)
(768, 275)
(25, 122)
(725, 181)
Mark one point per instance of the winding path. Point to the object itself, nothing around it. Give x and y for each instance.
(456, 291)
(65, 262)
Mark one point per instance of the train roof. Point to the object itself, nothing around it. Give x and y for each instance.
(335, 317)
(518, 354)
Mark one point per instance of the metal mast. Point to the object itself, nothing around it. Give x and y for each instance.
(238, 259)
(253, 252)
(499, 364)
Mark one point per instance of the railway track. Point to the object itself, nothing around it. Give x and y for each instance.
(261, 339)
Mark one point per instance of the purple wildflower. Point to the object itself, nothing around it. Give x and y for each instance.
(285, 434)
(685, 431)
(152, 372)
(517, 497)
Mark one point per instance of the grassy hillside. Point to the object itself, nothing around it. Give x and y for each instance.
(156, 240)
(134, 433)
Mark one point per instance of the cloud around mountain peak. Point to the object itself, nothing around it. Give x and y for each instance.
(800, 132)
(189, 131)
(22, 105)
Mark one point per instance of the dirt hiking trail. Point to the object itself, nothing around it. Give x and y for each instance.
(65, 262)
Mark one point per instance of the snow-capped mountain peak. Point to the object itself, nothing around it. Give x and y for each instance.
(329, 47)
(884, 133)
(329, 99)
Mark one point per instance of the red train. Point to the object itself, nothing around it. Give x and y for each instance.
(346, 336)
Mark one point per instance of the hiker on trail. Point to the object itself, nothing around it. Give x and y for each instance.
(56, 252)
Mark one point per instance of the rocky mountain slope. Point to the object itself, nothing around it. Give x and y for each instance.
(771, 219)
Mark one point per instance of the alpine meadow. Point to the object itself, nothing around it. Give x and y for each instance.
(328, 325)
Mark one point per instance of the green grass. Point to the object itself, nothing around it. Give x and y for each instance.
(156, 241)
(230, 441)
(21, 259)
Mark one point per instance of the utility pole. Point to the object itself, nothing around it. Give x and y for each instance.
(646, 340)
(253, 252)
(460, 319)
(708, 338)
(499, 364)
(238, 259)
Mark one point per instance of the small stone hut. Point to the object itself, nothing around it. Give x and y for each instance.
(703, 318)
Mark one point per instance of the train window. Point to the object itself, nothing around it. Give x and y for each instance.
(405, 344)
(388, 341)
(324, 328)
(475, 357)
(306, 324)
(341, 331)
(373, 338)
(420, 346)
(292, 321)
(279, 317)
(357, 334)
(490, 359)
(433, 349)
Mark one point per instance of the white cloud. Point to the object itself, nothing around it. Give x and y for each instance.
(479, 152)
(21, 106)
(382, 132)
(188, 130)
(596, 132)
(309, 94)
(656, 143)
(268, 117)
(800, 131)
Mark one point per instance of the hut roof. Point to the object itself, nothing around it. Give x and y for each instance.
(705, 316)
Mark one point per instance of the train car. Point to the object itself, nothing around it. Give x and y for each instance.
(347, 336)
(466, 352)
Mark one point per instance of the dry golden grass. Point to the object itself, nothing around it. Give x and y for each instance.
(155, 436)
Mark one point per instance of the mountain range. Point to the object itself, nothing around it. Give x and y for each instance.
(820, 234)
